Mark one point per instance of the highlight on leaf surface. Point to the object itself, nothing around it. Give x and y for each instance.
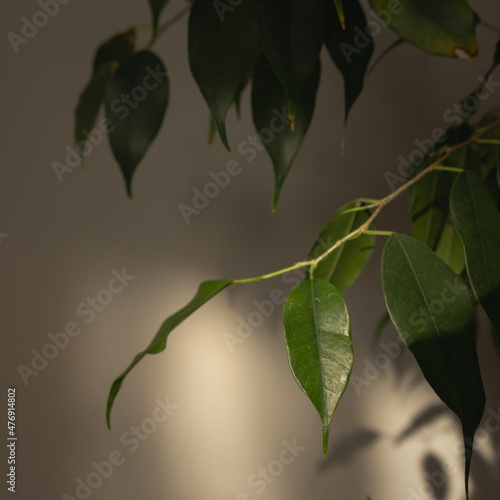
(319, 347)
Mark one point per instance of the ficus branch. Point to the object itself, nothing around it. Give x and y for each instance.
(437, 165)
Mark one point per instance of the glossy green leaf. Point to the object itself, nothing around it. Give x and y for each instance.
(319, 348)
(222, 47)
(87, 110)
(433, 313)
(136, 101)
(342, 266)
(114, 51)
(477, 221)
(156, 7)
(269, 113)
(351, 50)
(206, 291)
(293, 32)
(445, 28)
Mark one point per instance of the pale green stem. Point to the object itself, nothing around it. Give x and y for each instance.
(380, 204)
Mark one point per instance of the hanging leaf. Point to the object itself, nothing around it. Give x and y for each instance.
(156, 7)
(206, 291)
(108, 56)
(114, 51)
(222, 48)
(351, 49)
(269, 113)
(293, 32)
(136, 101)
(342, 266)
(319, 348)
(433, 313)
(87, 110)
(445, 28)
(477, 221)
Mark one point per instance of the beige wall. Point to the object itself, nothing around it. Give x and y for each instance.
(235, 409)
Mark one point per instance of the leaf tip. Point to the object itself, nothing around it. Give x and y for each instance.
(326, 437)
(291, 118)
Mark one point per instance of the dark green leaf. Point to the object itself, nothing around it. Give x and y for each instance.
(293, 32)
(477, 221)
(156, 8)
(269, 113)
(342, 266)
(351, 49)
(87, 110)
(318, 342)
(114, 51)
(108, 56)
(136, 100)
(445, 28)
(433, 313)
(206, 291)
(222, 47)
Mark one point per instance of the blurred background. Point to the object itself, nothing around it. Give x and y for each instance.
(232, 409)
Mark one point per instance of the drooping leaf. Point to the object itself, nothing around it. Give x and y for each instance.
(87, 109)
(351, 49)
(269, 112)
(445, 28)
(221, 50)
(433, 313)
(206, 291)
(477, 221)
(319, 348)
(343, 265)
(114, 51)
(136, 101)
(156, 7)
(107, 58)
(293, 32)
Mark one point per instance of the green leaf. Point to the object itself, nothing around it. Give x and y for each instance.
(477, 221)
(344, 264)
(108, 56)
(222, 47)
(156, 8)
(206, 291)
(433, 313)
(114, 51)
(293, 32)
(87, 110)
(136, 101)
(430, 208)
(269, 113)
(445, 28)
(351, 50)
(319, 348)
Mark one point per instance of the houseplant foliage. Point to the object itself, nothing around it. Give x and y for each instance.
(434, 279)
